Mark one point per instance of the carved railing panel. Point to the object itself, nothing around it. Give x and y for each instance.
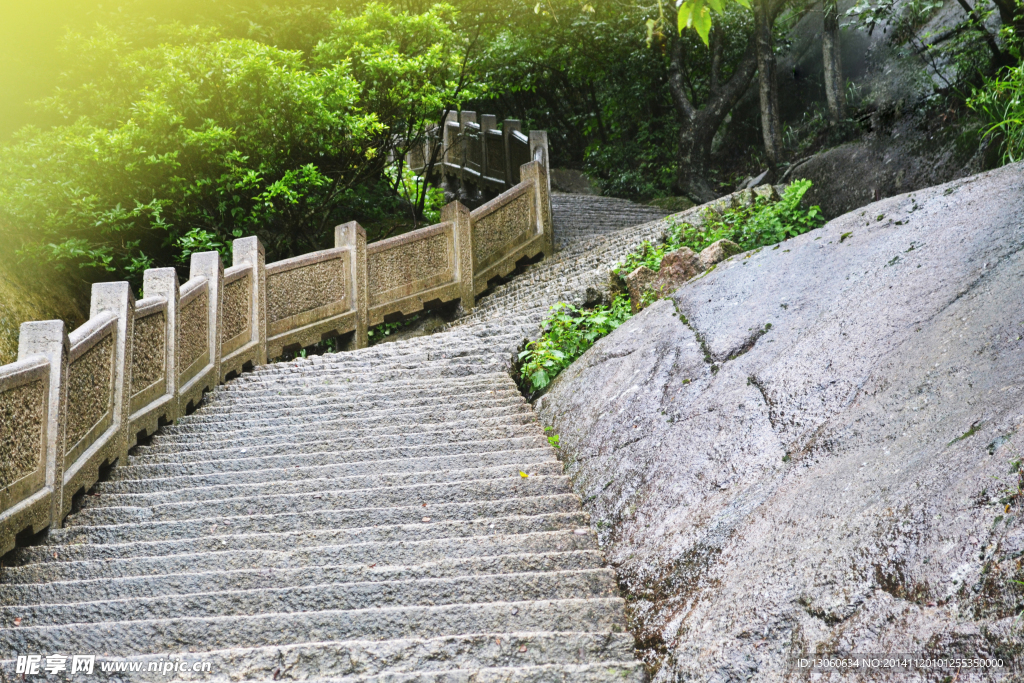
(23, 421)
(407, 271)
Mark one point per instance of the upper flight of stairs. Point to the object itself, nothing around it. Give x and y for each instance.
(359, 516)
(578, 217)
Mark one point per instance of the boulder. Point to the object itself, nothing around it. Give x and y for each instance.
(818, 451)
(716, 252)
(676, 268)
(637, 283)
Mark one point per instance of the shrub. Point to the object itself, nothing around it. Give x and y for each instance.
(1001, 102)
(762, 223)
(567, 333)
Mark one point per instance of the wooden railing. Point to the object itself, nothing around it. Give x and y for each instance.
(75, 403)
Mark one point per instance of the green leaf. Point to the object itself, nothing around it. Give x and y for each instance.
(702, 24)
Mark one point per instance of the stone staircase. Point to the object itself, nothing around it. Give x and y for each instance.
(359, 516)
(580, 217)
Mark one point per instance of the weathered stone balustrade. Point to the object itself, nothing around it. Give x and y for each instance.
(75, 403)
(481, 154)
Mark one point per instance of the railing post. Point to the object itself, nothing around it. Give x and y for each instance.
(534, 172)
(465, 117)
(446, 138)
(459, 215)
(507, 127)
(163, 282)
(117, 298)
(487, 122)
(208, 264)
(352, 235)
(539, 152)
(250, 250)
(49, 338)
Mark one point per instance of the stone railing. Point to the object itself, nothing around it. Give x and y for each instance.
(481, 154)
(75, 403)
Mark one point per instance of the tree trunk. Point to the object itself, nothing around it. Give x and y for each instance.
(698, 126)
(771, 125)
(998, 58)
(834, 90)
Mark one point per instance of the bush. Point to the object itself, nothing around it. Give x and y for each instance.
(1001, 101)
(762, 223)
(188, 145)
(567, 333)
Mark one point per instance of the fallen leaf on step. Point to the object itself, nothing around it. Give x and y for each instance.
(498, 641)
(373, 565)
(17, 622)
(522, 648)
(522, 474)
(426, 519)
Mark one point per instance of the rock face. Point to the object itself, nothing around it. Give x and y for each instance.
(813, 448)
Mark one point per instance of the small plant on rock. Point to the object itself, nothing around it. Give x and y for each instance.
(568, 332)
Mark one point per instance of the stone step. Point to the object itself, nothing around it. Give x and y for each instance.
(441, 497)
(283, 522)
(342, 440)
(119, 541)
(339, 476)
(330, 410)
(444, 655)
(106, 588)
(392, 460)
(336, 381)
(629, 671)
(394, 553)
(347, 426)
(479, 589)
(168, 635)
(330, 377)
(373, 486)
(349, 402)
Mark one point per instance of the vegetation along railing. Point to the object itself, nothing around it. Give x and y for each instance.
(74, 403)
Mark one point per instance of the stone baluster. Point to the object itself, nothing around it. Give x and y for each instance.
(117, 298)
(352, 236)
(508, 126)
(487, 122)
(49, 338)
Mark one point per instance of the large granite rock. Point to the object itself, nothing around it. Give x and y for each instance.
(813, 448)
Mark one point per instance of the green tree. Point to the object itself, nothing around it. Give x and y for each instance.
(230, 137)
(412, 69)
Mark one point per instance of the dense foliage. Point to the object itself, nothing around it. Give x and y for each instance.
(176, 139)
(1001, 102)
(568, 332)
(763, 223)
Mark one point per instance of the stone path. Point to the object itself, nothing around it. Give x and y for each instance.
(359, 517)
